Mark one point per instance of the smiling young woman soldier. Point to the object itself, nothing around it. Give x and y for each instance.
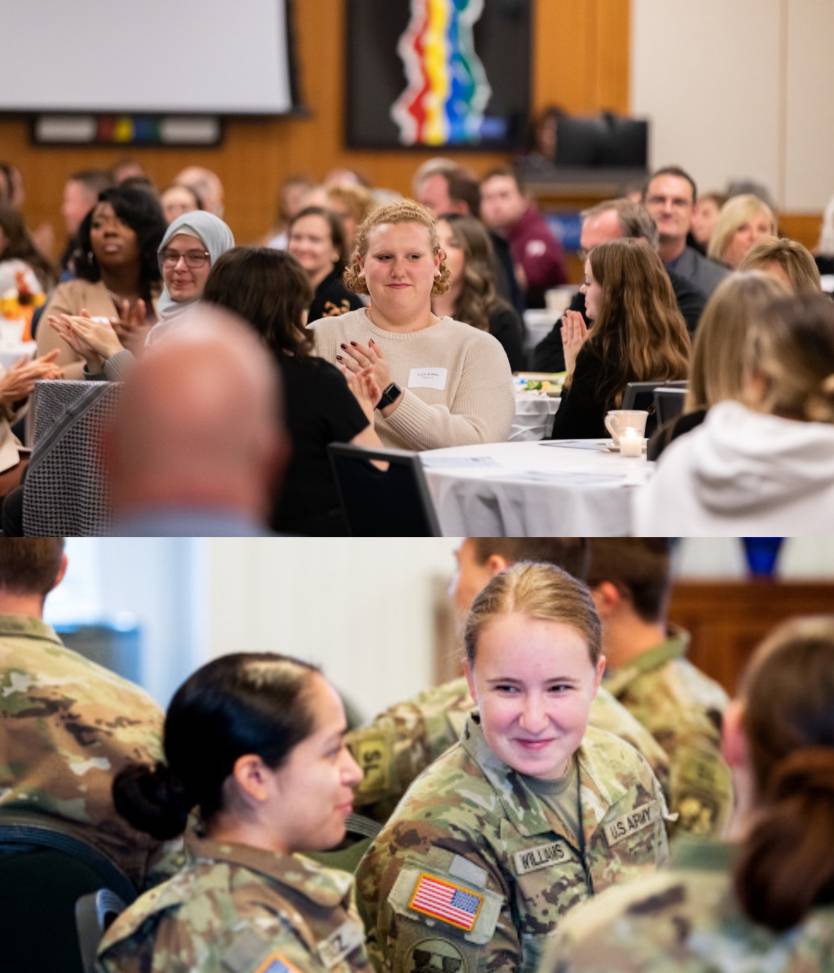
(531, 812)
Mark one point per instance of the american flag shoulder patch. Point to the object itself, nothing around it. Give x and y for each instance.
(274, 963)
(447, 901)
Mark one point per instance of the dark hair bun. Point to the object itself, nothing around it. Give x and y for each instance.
(809, 770)
(152, 799)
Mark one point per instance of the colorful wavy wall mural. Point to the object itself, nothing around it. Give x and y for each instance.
(447, 89)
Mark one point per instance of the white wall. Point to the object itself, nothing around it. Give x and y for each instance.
(360, 607)
(739, 88)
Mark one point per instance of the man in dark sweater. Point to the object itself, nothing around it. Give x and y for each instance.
(538, 256)
(611, 220)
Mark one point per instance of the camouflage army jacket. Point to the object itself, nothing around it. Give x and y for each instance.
(240, 910)
(67, 726)
(687, 919)
(683, 710)
(474, 872)
(407, 737)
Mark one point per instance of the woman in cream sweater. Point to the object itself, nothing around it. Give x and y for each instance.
(437, 382)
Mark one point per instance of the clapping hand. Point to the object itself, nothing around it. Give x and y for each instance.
(17, 383)
(356, 358)
(94, 341)
(131, 325)
(574, 335)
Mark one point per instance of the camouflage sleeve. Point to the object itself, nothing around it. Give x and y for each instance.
(701, 787)
(212, 938)
(433, 899)
(401, 742)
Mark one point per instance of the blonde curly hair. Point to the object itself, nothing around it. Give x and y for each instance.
(404, 211)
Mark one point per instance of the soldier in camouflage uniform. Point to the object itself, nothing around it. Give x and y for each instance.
(407, 737)
(240, 909)
(648, 673)
(67, 725)
(254, 742)
(496, 840)
(763, 905)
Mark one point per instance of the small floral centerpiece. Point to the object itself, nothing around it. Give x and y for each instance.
(17, 305)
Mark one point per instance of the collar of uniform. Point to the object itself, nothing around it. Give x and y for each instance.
(524, 808)
(323, 886)
(24, 626)
(703, 854)
(674, 647)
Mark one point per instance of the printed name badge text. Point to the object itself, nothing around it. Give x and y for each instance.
(427, 378)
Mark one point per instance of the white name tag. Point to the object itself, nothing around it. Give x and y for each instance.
(427, 378)
(341, 943)
(629, 824)
(539, 857)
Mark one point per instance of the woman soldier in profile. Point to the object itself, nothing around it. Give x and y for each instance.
(763, 903)
(255, 742)
(530, 813)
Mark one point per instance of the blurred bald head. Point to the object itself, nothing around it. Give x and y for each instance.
(199, 423)
(206, 184)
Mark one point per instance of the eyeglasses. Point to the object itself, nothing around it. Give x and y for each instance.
(193, 258)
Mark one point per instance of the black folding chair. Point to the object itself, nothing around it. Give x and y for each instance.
(394, 502)
(45, 869)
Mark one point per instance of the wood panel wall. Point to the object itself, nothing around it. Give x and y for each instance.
(579, 60)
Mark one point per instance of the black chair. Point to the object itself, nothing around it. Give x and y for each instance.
(45, 868)
(93, 914)
(640, 395)
(383, 503)
(668, 404)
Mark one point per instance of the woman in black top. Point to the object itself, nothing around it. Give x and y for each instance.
(316, 239)
(472, 297)
(637, 335)
(269, 289)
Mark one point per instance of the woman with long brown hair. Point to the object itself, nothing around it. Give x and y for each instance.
(472, 297)
(764, 900)
(637, 335)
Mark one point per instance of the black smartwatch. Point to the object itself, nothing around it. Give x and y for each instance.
(389, 394)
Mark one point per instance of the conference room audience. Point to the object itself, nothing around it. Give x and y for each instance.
(742, 221)
(472, 297)
(190, 247)
(116, 267)
(637, 334)
(444, 186)
(716, 365)
(508, 210)
(765, 464)
(316, 239)
(255, 742)
(436, 381)
(614, 219)
(177, 199)
(270, 290)
(761, 898)
(787, 260)
(206, 184)
(352, 203)
(20, 256)
(707, 207)
(16, 385)
(670, 196)
(197, 446)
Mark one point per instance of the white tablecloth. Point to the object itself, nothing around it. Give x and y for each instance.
(577, 488)
(533, 417)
